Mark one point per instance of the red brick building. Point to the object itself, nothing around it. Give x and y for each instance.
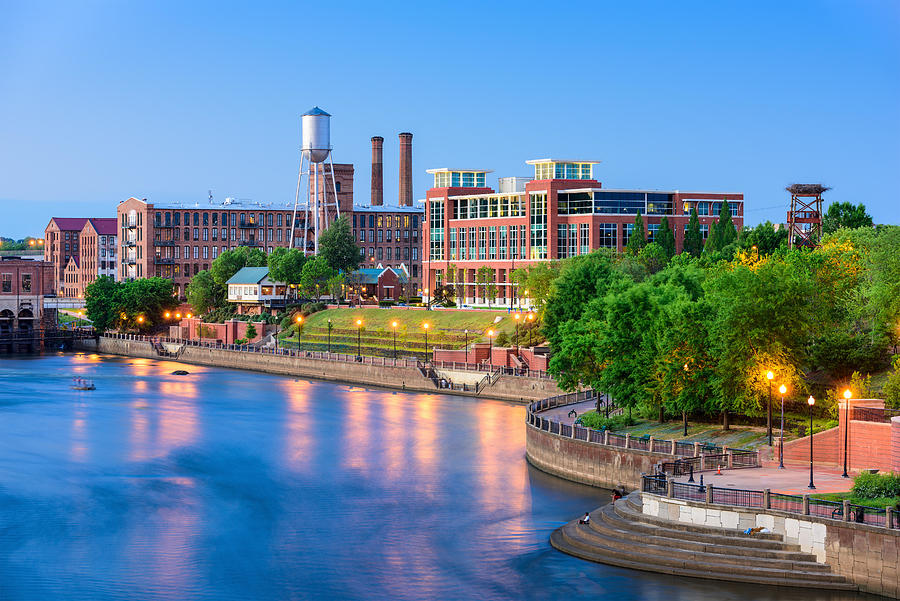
(389, 236)
(61, 242)
(23, 285)
(562, 212)
(178, 240)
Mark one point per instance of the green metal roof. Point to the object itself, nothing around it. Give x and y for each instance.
(249, 275)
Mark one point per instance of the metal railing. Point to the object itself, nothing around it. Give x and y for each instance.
(658, 484)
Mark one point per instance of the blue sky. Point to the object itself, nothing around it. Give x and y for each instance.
(100, 101)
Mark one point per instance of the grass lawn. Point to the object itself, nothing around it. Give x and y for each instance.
(66, 318)
(840, 496)
(376, 319)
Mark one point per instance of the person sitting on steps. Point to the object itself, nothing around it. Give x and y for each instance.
(586, 519)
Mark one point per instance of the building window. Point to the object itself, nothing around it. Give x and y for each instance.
(196, 252)
(482, 243)
(388, 236)
(538, 226)
(6, 282)
(371, 235)
(585, 237)
(513, 244)
(26, 282)
(453, 243)
(626, 235)
(652, 232)
(380, 235)
(704, 231)
(205, 252)
(702, 208)
(205, 233)
(607, 234)
(492, 243)
(378, 253)
(389, 253)
(436, 221)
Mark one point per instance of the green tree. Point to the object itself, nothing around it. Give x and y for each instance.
(250, 332)
(666, 238)
(231, 261)
(722, 233)
(315, 275)
(845, 214)
(693, 239)
(892, 385)
(764, 237)
(484, 276)
(204, 294)
(338, 247)
(539, 282)
(638, 238)
(102, 303)
(653, 257)
(286, 266)
(519, 279)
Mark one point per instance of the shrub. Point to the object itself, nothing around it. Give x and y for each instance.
(449, 304)
(241, 341)
(310, 308)
(597, 421)
(386, 303)
(873, 486)
(502, 339)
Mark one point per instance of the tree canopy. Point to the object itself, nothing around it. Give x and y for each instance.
(338, 247)
(139, 304)
(845, 214)
(231, 261)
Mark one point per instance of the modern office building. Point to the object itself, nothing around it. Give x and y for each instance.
(178, 240)
(561, 212)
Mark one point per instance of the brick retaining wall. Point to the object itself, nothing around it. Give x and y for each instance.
(589, 463)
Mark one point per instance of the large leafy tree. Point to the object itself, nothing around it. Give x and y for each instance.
(338, 247)
(204, 293)
(137, 304)
(638, 238)
(653, 257)
(286, 266)
(845, 214)
(764, 237)
(666, 238)
(693, 238)
(231, 261)
(722, 233)
(315, 276)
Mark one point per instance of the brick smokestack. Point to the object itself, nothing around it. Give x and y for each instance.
(406, 190)
(377, 171)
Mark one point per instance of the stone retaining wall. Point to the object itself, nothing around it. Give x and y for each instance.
(589, 463)
(508, 388)
(865, 555)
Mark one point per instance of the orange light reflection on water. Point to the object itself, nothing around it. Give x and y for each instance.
(298, 437)
(357, 433)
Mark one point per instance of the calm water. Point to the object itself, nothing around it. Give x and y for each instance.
(231, 485)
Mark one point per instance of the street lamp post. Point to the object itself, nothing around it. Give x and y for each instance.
(769, 376)
(358, 343)
(394, 326)
(847, 395)
(330, 325)
(467, 347)
(491, 348)
(782, 389)
(425, 325)
(811, 401)
(518, 317)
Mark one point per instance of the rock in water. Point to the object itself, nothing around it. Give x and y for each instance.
(180, 372)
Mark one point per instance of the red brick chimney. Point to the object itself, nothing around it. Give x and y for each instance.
(377, 171)
(406, 190)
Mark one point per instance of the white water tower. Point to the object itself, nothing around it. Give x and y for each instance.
(315, 149)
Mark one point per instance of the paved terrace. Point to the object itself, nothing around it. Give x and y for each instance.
(790, 480)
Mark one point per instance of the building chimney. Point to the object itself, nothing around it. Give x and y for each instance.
(406, 191)
(377, 171)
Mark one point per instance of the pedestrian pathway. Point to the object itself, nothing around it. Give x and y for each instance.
(561, 414)
(791, 480)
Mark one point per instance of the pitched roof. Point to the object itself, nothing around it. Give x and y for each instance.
(69, 223)
(370, 275)
(76, 260)
(105, 226)
(249, 275)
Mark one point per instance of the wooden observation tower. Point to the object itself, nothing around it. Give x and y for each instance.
(805, 217)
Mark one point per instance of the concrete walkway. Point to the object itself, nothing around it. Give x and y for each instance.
(791, 480)
(561, 414)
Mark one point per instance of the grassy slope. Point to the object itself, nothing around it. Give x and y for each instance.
(477, 322)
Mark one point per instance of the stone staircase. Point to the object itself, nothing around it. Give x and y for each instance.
(620, 534)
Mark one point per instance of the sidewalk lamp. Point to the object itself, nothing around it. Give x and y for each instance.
(467, 346)
(811, 401)
(330, 325)
(140, 319)
(782, 389)
(491, 348)
(358, 339)
(167, 315)
(394, 325)
(769, 376)
(425, 325)
(518, 316)
(847, 395)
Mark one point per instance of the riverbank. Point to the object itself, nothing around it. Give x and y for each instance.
(400, 376)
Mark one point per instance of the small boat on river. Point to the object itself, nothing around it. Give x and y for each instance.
(82, 384)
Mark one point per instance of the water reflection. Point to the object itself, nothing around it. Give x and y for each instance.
(234, 485)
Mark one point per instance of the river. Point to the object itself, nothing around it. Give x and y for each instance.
(225, 484)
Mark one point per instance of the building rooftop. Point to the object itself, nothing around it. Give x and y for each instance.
(536, 161)
(69, 223)
(370, 275)
(386, 209)
(449, 170)
(105, 226)
(249, 275)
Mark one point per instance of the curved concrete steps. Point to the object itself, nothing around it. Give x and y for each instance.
(618, 534)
